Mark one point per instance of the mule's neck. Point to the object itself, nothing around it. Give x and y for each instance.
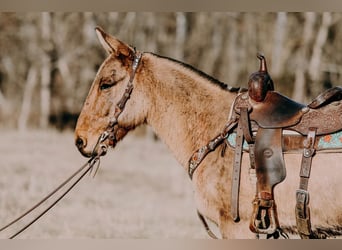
(186, 109)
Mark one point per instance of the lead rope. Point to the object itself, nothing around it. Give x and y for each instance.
(99, 150)
(90, 163)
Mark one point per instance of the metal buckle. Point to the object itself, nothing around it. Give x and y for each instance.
(303, 212)
(103, 136)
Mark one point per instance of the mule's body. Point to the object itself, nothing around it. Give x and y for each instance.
(186, 109)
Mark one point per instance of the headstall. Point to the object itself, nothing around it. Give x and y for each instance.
(113, 127)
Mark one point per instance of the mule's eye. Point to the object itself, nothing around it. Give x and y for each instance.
(106, 85)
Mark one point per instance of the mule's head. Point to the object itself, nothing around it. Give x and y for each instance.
(107, 89)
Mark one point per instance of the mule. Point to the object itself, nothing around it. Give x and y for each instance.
(186, 108)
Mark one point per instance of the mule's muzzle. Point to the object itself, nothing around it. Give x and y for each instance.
(98, 150)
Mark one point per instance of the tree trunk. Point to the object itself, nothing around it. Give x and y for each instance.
(229, 69)
(27, 99)
(45, 95)
(181, 33)
(213, 49)
(299, 91)
(4, 106)
(251, 44)
(278, 44)
(315, 62)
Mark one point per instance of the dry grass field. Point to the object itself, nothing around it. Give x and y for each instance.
(140, 191)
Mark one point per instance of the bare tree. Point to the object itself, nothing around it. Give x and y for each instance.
(279, 37)
(60, 51)
(26, 104)
(229, 68)
(210, 56)
(315, 61)
(45, 95)
(4, 106)
(181, 33)
(302, 57)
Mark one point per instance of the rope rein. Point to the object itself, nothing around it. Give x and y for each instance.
(90, 163)
(99, 150)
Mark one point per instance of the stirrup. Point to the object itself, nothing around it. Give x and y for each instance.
(278, 234)
(264, 219)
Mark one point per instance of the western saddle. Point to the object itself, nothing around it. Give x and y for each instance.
(261, 116)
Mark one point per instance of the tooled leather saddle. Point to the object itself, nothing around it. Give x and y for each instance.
(259, 122)
(262, 116)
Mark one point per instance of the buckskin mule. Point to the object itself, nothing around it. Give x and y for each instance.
(187, 108)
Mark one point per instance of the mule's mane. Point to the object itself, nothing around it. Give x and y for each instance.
(200, 73)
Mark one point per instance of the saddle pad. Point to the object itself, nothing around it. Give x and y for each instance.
(327, 142)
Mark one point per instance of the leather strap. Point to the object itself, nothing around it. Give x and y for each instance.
(234, 210)
(113, 128)
(246, 127)
(198, 156)
(201, 153)
(243, 132)
(206, 226)
(302, 195)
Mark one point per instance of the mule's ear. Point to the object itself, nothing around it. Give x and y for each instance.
(111, 44)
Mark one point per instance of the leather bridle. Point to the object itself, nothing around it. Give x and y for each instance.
(113, 128)
(100, 149)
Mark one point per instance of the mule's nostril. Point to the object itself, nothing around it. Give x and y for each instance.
(80, 142)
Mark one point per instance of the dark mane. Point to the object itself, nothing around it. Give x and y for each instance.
(201, 73)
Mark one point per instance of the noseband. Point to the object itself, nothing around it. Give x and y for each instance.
(114, 129)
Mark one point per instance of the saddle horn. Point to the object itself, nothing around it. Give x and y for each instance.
(263, 67)
(260, 82)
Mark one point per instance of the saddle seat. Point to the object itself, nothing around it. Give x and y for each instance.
(279, 111)
(275, 111)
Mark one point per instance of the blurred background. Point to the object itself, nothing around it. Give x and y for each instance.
(47, 64)
(48, 60)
